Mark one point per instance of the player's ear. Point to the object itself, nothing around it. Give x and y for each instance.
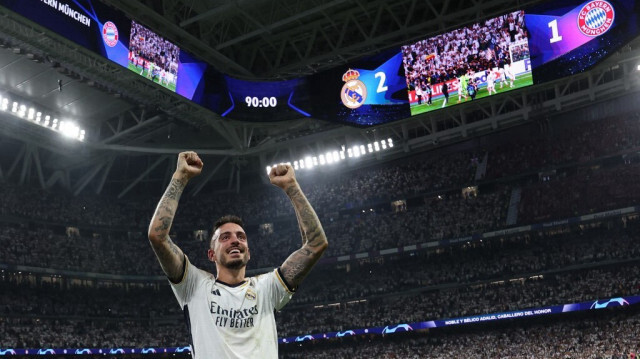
(211, 254)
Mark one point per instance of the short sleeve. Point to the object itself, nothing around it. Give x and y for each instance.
(278, 293)
(187, 286)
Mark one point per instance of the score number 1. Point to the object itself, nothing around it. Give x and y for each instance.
(555, 37)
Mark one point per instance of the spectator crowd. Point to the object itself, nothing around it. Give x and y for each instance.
(591, 170)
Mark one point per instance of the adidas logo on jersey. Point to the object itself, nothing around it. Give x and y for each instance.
(215, 292)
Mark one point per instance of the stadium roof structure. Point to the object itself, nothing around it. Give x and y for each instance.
(135, 128)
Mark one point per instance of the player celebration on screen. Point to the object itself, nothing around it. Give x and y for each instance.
(153, 57)
(468, 63)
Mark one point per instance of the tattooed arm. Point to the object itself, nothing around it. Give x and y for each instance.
(314, 241)
(170, 256)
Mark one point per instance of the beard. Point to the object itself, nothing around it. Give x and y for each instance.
(235, 263)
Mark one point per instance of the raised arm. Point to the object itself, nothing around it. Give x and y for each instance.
(169, 255)
(314, 241)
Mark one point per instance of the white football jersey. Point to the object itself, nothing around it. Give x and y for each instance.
(231, 321)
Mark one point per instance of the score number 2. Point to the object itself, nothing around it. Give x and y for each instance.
(555, 37)
(381, 86)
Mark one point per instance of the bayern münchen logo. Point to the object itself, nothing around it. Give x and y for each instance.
(596, 18)
(110, 34)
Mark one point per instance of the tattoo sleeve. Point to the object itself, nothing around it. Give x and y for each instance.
(314, 240)
(169, 255)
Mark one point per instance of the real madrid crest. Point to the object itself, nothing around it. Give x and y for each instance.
(251, 295)
(354, 92)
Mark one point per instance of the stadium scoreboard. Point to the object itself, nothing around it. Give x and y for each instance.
(517, 49)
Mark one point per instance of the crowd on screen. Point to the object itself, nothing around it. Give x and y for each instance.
(147, 45)
(476, 48)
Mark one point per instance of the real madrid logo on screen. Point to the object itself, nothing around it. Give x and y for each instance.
(596, 18)
(110, 34)
(354, 92)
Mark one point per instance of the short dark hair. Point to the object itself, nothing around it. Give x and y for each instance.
(229, 218)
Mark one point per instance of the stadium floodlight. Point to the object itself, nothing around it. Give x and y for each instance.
(356, 151)
(22, 111)
(337, 155)
(32, 115)
(69, 129)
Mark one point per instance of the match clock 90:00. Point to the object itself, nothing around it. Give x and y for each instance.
(253, 101)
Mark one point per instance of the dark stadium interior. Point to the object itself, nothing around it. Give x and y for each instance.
(527, 199)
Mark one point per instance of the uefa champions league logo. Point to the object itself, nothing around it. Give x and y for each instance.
(397, 328)
(345, 333)
(610, 303)
(183, 349)
(303, 338)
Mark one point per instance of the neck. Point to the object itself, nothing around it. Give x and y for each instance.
(230, 276)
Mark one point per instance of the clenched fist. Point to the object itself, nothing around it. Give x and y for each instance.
(282, 176)
(189, 165)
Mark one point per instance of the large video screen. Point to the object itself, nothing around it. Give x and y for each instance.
(504, 53)
(469, 63)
